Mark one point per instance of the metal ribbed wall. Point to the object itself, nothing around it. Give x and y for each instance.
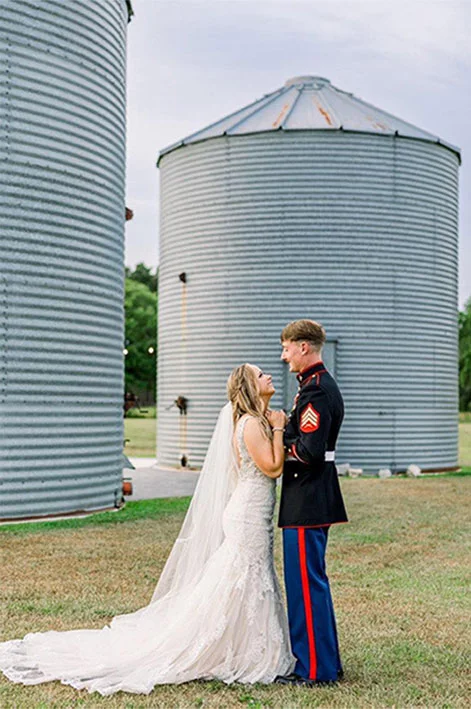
(355, 230)
(62, 158)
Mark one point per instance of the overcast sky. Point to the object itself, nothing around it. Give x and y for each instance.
(191, 62)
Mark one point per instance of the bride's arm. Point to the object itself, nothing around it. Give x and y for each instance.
(268, 455)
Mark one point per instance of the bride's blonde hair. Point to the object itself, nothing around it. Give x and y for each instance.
(242, 392)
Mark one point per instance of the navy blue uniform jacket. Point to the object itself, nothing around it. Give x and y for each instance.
(310, 493)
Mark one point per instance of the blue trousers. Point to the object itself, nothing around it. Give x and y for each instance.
(313, 630)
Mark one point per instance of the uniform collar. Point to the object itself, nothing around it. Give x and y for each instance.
(312, 369)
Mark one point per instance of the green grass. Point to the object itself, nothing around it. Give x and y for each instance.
(146, 412)
(131, 512)
(465, 443)
(140, 435)
(399, 573)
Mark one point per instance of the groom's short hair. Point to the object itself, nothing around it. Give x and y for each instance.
(306, 331)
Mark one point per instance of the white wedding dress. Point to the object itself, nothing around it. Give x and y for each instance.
(226, 623)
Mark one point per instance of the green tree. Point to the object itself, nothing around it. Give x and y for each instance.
(142, 274)
(140, 305)
(465, 356)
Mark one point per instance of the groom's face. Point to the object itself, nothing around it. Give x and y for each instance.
(292, 354)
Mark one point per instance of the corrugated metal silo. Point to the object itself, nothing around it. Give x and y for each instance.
(62, 153)
(312, 203)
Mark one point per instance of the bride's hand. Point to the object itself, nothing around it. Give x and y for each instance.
(277, 419)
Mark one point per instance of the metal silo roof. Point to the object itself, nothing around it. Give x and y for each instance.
(310, 103)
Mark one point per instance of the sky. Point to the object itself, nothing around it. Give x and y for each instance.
(192, 62)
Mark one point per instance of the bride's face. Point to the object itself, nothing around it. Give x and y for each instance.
(264, 381)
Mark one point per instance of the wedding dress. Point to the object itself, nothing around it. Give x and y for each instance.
(216, 612)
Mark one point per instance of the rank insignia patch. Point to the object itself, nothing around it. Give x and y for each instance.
(310, 419)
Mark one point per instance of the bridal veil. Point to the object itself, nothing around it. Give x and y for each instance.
(139, 649)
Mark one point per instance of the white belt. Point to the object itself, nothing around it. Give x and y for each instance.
(328, 455)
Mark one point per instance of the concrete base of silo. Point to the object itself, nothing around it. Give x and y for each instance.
(52, 518)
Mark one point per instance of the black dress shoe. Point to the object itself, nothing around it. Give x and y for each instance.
(294, 679)
(288, 679)
(297, 680)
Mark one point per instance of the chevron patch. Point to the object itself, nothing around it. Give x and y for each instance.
(310, 419)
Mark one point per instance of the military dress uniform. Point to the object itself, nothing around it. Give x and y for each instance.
(311, 501)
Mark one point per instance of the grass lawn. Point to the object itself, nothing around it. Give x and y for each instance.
(399, 573)
(465, 439)
(141, 433)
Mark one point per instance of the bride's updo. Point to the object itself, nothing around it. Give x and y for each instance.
(243, 393)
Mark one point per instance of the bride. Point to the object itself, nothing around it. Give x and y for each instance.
(216, 612)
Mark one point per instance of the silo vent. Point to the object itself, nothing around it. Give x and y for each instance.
(315, 82)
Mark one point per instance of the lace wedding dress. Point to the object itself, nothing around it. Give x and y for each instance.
(226, 623)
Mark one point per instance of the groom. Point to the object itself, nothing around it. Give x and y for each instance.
(311, 501)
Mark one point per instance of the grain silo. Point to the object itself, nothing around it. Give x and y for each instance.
(313, 203)
(62, 147)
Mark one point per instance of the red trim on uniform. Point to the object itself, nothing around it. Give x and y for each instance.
(308, 380)
(307, 604)
(311, 366)
(312, 526)
(295, 453)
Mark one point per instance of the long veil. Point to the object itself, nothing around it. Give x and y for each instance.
(202, 531)
(137, 650)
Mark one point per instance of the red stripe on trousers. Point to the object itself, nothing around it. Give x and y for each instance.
(307, 604)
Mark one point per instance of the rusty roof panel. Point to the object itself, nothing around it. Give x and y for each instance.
(309, 103)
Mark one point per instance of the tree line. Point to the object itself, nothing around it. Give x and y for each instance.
(140, 309)
(141, 298)
(464, 321)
